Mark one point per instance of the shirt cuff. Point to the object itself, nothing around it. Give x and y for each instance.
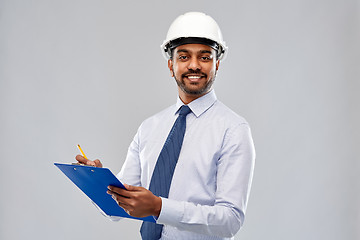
(171, 212)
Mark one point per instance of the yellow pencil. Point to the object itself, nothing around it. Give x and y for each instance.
(82, 152)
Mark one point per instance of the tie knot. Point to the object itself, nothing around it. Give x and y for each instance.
(184, 110)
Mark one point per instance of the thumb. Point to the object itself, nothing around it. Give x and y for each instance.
(130, 187)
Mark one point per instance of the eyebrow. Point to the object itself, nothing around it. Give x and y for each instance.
(186, 51)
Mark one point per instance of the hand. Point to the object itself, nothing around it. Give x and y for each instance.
(136, 201)
(95, 163)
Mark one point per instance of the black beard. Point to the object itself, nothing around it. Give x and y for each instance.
(201, 91)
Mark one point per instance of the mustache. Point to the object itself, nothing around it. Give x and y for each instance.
(191, 71)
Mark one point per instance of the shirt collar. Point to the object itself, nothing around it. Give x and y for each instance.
(199, 105)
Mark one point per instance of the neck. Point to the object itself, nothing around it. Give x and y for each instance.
(188, 98)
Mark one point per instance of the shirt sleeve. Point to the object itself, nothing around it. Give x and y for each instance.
(234, 175)
(130, 172)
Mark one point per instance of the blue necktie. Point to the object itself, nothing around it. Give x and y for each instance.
(164, 170)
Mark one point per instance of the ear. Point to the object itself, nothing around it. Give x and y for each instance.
(217, 64)
(170, 66)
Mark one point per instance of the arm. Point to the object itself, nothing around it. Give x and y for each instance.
(234, 175)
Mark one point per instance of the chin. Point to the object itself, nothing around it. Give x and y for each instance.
(194, 89)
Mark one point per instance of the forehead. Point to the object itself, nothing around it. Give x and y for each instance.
(194, 48)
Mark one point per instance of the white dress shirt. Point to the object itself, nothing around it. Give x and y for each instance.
(211, 183)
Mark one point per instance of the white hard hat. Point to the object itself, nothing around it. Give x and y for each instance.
(194, 27)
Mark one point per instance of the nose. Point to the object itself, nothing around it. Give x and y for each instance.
(194, 64)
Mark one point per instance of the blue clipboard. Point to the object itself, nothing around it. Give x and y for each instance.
(93, 182)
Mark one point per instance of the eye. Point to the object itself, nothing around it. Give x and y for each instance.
(182, 57)
(206, 58)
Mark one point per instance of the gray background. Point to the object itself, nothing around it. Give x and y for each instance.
(90, 72)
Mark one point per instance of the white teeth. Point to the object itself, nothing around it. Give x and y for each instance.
(194, 77)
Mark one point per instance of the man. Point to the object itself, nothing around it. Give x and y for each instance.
(205, 194)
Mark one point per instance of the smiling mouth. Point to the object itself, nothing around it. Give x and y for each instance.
(194, 78)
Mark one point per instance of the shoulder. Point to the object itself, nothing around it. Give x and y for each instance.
(236, 129)
(226, 115)
(223, 123)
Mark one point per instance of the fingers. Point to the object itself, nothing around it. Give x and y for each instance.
(121, 200)
(131, 188)
(98, 163)
(136, 201)
(128, 191)
(83, 160)
(121, 196)
(119, 191)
